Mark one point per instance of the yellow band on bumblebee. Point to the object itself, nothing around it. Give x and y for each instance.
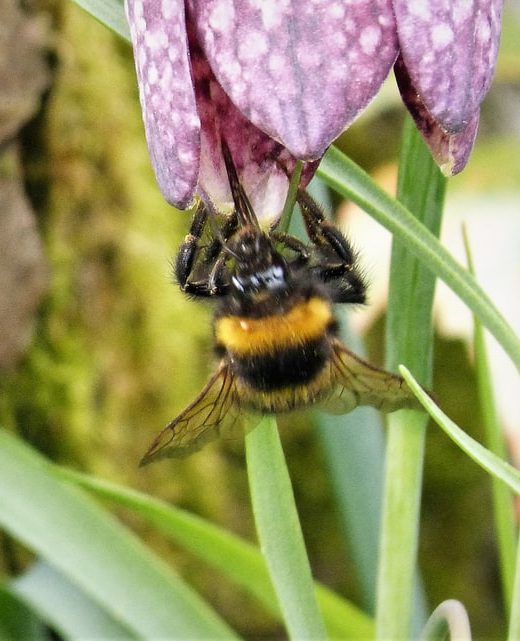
(305, 321)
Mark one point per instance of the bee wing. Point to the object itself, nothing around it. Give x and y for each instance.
(214, 411)
(357, 382)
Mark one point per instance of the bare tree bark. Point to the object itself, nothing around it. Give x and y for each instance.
(23, 270)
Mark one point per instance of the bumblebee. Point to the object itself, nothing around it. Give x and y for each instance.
(274, 325)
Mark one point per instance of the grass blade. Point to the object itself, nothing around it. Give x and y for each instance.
(97, 554)
(65, 608)
(237, 559)
(279, 532)
(502, 499)
(487, 460)
(290, 199)
(17, 621)
(354, 450)
(349, 180)
(111, 13)
(490, 462)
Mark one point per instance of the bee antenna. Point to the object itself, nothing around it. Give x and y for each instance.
(245, 212)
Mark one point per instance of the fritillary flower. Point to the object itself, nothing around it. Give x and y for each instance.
(281, 79)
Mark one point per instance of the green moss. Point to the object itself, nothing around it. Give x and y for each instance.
(114, 335)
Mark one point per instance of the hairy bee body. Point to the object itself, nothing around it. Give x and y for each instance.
(274, 325)
(280, 359)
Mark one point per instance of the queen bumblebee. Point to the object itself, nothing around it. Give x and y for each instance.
(274, 325)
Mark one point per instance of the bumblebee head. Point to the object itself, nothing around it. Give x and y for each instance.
(258, 267)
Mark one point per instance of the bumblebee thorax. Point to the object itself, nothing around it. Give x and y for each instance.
(258, 268)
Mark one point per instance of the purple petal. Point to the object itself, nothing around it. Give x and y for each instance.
(171, 123)
(450, 49)
(450, 151)
(262, 163)
(301, 71)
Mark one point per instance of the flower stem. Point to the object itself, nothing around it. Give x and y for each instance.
(290, 200)
(280, 534)
(409, 340)
(399, 525)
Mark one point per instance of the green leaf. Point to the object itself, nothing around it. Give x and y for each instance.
(111, 13)
(488, 461)
(349, 180)
(74, 535)
(17, 622)
(503, 508)
(66, 608)
(279, 532)
(237, 559)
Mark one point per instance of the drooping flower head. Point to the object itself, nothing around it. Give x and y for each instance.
(280, 79)
(448, 51)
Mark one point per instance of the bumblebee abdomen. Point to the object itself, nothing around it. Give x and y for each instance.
(298, 389)
(267, 371)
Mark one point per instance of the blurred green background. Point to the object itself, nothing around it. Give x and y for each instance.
(109, 350)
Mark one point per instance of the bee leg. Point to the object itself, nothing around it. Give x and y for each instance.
(346, 287)
(337, 266)
(228, 229)
(215, 282)
(292, 243)
(190, 246)
(188, 257)
(214, 262)
(324, 234)
(214, 285)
